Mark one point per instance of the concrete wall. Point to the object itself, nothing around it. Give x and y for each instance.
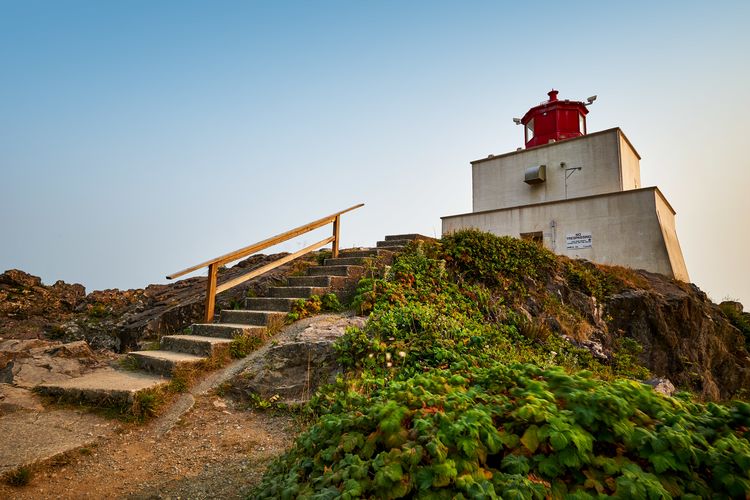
(604, 156)
(630, 164)
(630, 228)
(665, 213)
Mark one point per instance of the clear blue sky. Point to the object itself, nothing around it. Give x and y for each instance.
(139, 137)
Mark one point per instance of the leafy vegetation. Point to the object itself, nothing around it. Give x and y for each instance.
(451, 391)
(738, 320)
(304, 308)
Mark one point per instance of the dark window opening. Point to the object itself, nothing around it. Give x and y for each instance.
(535, 237)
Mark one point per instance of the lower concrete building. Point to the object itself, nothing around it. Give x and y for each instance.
(629, 228)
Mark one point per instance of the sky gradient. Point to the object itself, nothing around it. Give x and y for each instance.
(138, 138)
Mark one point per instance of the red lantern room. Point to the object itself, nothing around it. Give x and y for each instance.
(554, 120)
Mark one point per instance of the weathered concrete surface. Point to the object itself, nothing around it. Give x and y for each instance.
(16, 398)
(608, 161)
(30, 438)
(103, 386)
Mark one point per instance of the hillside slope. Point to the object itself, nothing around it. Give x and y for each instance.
(489, 367)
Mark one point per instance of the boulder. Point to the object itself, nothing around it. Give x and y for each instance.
(293, 369)
(662, 385)
(28, 363)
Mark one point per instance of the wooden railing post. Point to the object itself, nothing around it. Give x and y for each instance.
(336, 231)
(213, 271)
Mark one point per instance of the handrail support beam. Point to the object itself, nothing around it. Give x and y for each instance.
(336, 232)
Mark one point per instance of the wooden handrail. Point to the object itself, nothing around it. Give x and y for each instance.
(213, 265)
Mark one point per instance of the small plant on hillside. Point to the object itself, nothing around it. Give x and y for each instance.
(19, 477)
(98, 310)
(304, 308)
(321, 256)
(242, 345)
(738, 320)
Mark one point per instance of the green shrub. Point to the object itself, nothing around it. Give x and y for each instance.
(497, 261)
(515, 431)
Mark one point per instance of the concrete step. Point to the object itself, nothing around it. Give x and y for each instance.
(269, 304)
(227, 330)
(317, 281)
(106, 386)
(367, 252)
(394, 244)
(407, 237)
(195, 344)
(164, 362)
(346, 261)
(297, 292)
(270, 319)
(335, 270)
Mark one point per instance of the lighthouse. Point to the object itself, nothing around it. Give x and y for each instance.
(554, 120)
(576, 192)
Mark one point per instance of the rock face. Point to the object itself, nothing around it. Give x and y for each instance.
(25, 364)
(685, 337)
(118, 319)
(293, 368)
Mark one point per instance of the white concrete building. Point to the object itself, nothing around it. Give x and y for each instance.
(579, 194)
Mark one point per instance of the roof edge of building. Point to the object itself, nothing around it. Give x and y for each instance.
(552, 202)
(601, 132)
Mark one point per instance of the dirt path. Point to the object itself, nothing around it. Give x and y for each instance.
(202, 446)
(214, 451)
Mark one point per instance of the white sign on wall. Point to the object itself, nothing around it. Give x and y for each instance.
(577, 240)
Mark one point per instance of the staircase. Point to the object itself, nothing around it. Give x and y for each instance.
(260, 318)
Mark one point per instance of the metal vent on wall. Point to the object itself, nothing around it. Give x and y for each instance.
(535, 175)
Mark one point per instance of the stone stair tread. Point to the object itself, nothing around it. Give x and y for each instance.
(175, 357)
(262, 311)
(225, 325)
(346, 261)
(109, 380)
(317, 281)
(407, 237)
(200, 338)
(296, 292)
(279, 304)
(257, 318)
(367, 252)
(344, 270)
(227, 330)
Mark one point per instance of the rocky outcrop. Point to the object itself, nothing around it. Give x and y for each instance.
(293, 368)
(118, 319)
(685, 337)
